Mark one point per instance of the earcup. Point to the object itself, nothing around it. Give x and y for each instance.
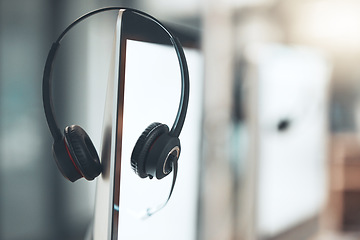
(162, 154)
(142, 146)
(63, 161)
(82, 152)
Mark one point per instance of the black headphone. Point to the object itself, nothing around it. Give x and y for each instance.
(156, 151)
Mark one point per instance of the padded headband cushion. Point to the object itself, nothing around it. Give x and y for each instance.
(143, 144)
(83, 151)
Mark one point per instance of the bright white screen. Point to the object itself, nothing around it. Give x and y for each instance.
(152, 93)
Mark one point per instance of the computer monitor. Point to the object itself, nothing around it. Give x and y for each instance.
(144, 87)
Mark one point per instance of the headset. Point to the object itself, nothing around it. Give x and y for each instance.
(157, 150)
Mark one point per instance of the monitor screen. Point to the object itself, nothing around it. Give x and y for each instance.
(152, 93)
(148, 91)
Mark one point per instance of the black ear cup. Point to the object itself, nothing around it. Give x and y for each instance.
(152, 150)
(164, 151)
(142, 146)
(83, 151)
(65, 164)
(82, 155)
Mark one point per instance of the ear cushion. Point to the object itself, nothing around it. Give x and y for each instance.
(142, 146)
(82, 151)
(64, 162)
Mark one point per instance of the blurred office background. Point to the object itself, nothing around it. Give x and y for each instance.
(280, 146)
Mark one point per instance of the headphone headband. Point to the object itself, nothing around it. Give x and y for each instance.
(47, 93)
